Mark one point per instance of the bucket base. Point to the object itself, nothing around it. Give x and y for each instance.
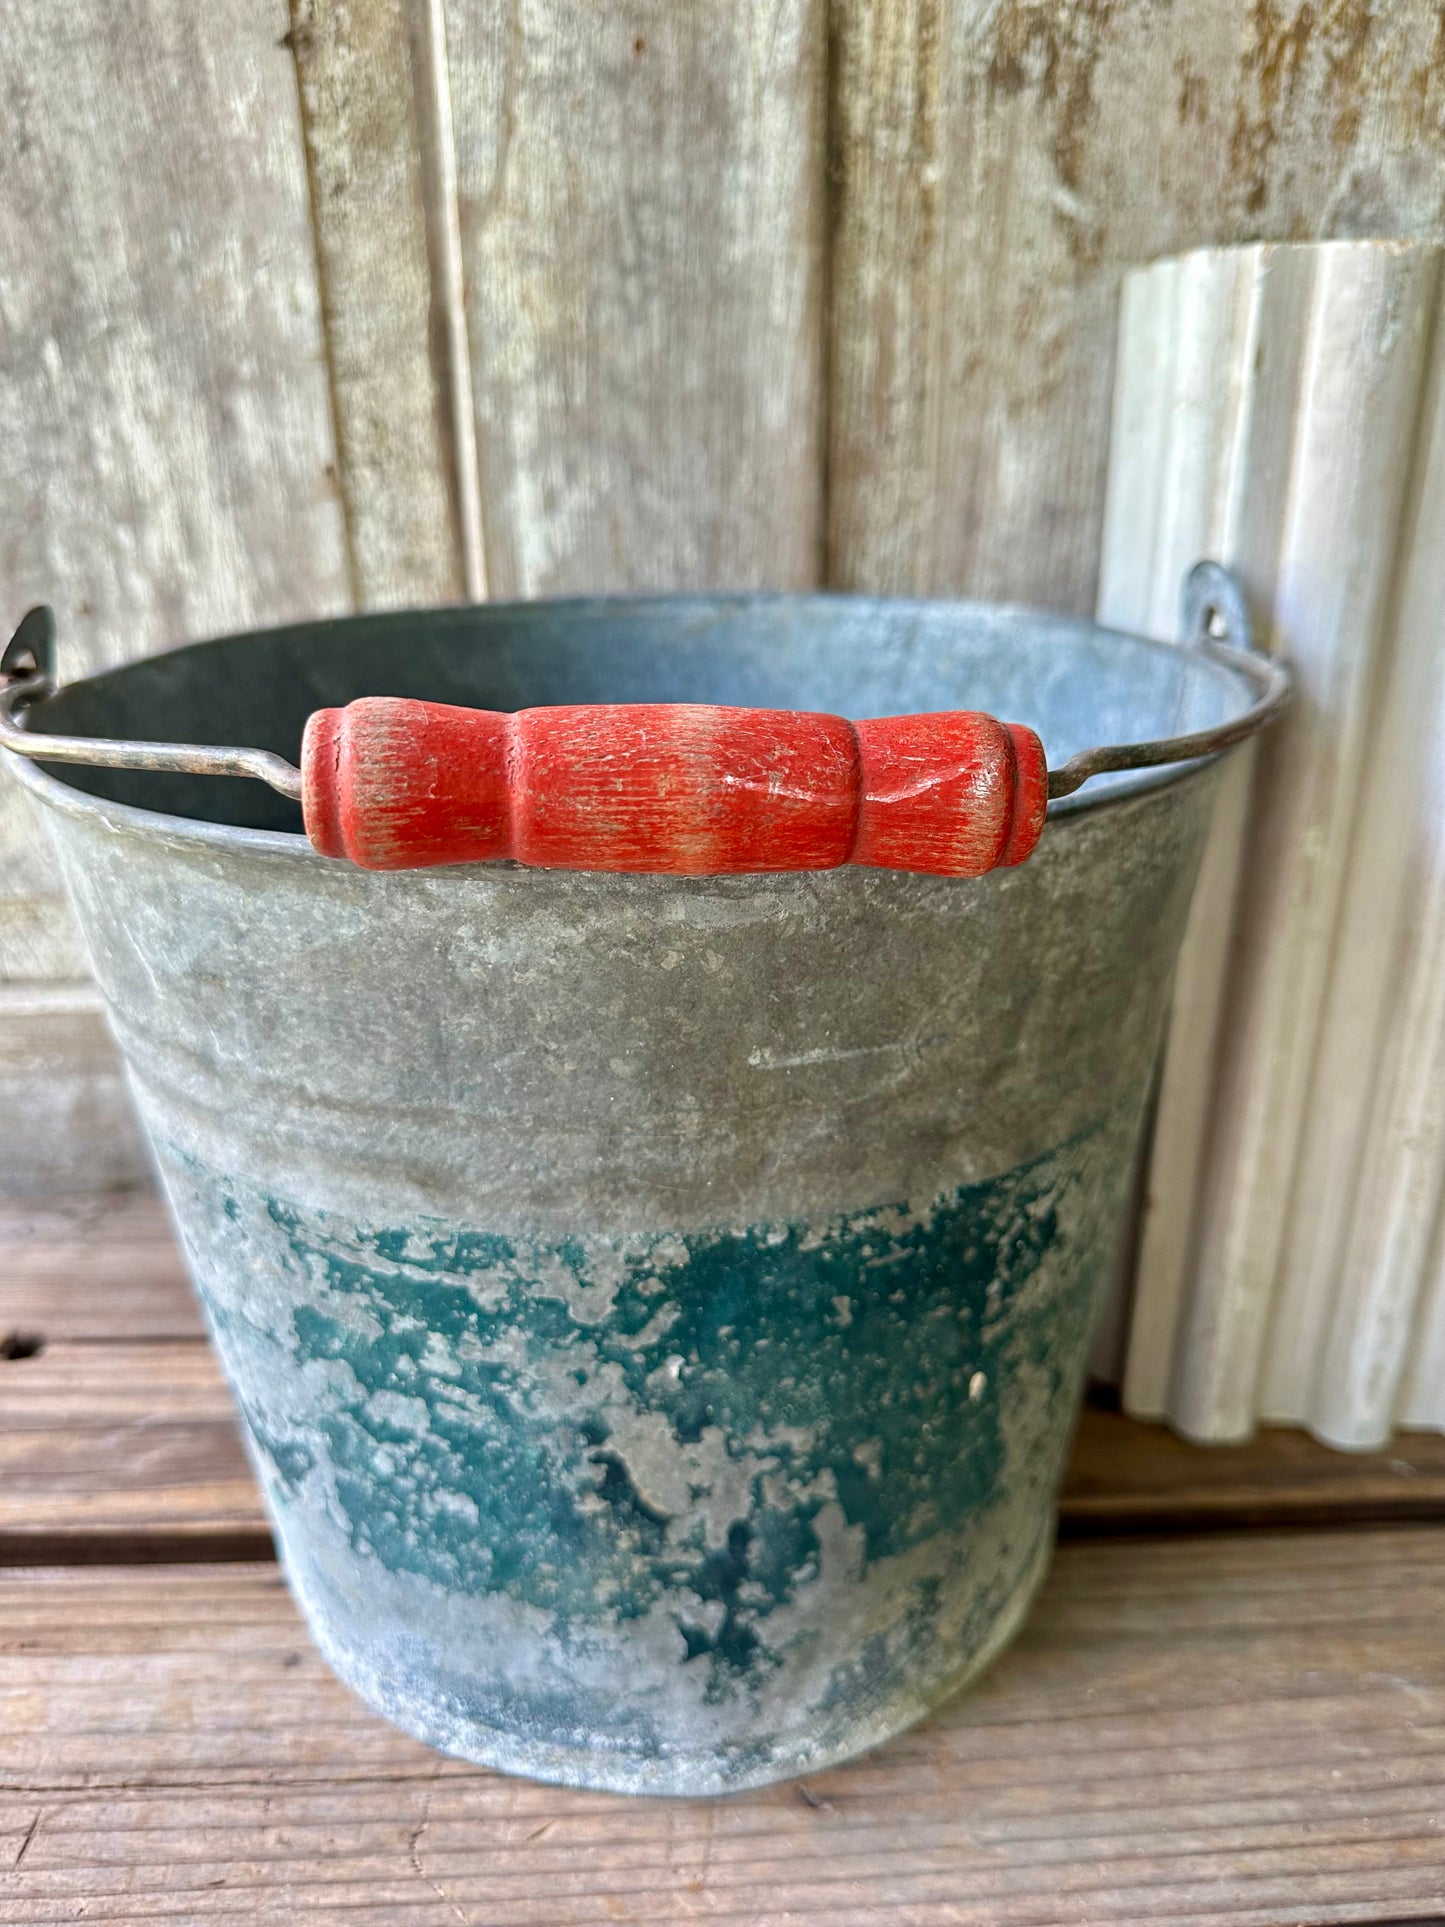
(673, 1774)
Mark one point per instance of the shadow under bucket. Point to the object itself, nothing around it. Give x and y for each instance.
(658, 1305)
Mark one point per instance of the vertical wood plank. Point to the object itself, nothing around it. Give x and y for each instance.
(1073, 141)
(1194, 407)
(1378, 1120)
(1348, 454)
(429, 45)
(641, 215)
(163, 353)
(39, 941)
(367, 139)
(1279, 437)
(1363, 386)
(888, 221)
(1186, 1079)
(162, 387)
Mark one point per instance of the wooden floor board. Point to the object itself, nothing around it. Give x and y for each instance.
(94, 1267)
(1238, 1729)
(1130, 1477)
(118, 1443)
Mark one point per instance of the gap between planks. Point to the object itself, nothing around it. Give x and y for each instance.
(1244, 1730)
(118, 1442)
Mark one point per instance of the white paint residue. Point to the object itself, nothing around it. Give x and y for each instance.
(399, 1411)
(763, 1059)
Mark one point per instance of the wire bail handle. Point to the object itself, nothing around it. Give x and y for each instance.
(680, 788)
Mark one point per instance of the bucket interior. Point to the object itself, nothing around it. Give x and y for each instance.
(1076, 684)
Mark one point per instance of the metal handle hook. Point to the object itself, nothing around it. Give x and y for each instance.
(1213, 608)
(1215, 620)
(30, 652)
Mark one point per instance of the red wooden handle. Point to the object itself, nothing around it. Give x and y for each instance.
(680, 789)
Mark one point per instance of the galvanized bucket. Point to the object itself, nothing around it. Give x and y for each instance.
(658, 1305)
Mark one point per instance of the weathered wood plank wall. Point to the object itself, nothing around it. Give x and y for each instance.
(169, 467)
(641, 202)
(1273, 408)
(997, 164)
(392, 300)
(367, 113)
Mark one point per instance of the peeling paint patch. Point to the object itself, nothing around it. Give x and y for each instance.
(756, 1491)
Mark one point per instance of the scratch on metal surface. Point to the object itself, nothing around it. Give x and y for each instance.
(764, 1059)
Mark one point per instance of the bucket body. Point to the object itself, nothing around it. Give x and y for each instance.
(658, 1307)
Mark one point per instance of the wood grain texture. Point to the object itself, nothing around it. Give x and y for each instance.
(117, 1439)
(70, 1125)
(800, 286)
(889, 301)
(997, 163)
(39, 941)
(676, 789)
(641, 218)
(367, 144)
(94, 1268)
(142, 1460)
(1244, 1730)
(1125, 1476)
(163, 350)
(162, 388)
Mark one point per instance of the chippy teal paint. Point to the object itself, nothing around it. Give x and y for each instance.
(482, 1441)
(527, 1052)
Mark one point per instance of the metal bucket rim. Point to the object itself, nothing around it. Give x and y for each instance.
(161, 826)
(1053, 622)
(1052, 626)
